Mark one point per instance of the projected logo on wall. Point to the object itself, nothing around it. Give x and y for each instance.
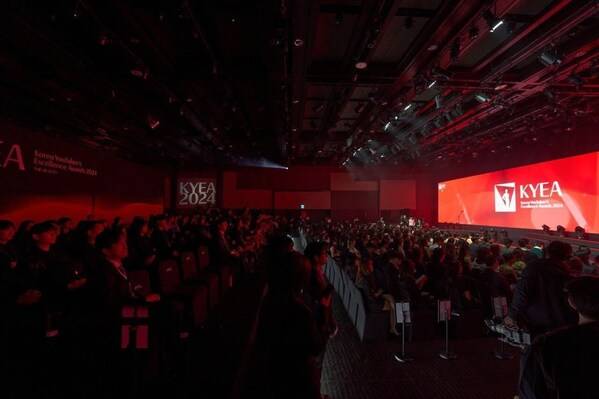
(505, 197)
(196, 192)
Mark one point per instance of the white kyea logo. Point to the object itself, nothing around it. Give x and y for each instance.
(505, 197)
(531, 196)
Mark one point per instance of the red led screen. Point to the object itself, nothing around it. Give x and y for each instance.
(560, 192)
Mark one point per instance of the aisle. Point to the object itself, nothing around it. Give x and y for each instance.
(368, 371)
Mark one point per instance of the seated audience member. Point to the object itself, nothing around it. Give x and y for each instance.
(222, 250)
(21, 240)
(566, 358)
(288, 335)
(8, 255)
(142, 255)
(507, 268)
(374, 296)
(83, 242)
(162, 240)
(437, 275)
(480, 261)
(588, 268)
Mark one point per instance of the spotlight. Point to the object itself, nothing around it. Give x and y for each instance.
(561, 230)
(482, 97)
(407, 107)
(361, 65)
(318, 108)
(387, 125)
(431, 84)
(359, 108)
(546, 229)
(550, 57)
(153, 122)
(492, 21)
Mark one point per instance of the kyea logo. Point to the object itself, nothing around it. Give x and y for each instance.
(537, 195)
(505, 197)
(12, 157)
(197, 193)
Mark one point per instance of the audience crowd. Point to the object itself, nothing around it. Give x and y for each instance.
(64, 288)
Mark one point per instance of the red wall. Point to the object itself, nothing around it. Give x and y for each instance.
(43, 186)
(322, 191)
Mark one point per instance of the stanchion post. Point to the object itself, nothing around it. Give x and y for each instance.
(402, 313)
(500, 312)
(444, 315)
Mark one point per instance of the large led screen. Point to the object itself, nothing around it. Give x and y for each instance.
(560, 192)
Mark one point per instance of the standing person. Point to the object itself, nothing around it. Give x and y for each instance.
(288, 335)
(320, 294)
(111, 290)
(539, 306)
(567, 357)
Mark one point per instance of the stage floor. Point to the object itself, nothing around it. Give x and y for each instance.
(368, 371)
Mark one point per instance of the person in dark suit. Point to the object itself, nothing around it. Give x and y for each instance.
(111, 290)
(539, 304)
(162, 239)
(567, 357)
(31, 317)
(288, 336)
(493, 285)
(222, 250)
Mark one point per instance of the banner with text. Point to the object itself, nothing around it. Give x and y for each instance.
(560, 192)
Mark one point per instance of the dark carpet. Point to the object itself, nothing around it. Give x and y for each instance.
(367, 370)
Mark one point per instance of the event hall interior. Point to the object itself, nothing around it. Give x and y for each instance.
(299, 199)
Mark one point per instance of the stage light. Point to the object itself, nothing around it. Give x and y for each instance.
(387, 125)
(431, 84)
(561, 230)
(153, 122)
(580, 232)
(361, 65)
(492, 21)
(546, 229)
(550, 57)
(407, 107)
(318, 108)
(359, 108)
(482, 97)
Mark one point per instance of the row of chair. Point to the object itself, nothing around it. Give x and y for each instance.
(191, 283)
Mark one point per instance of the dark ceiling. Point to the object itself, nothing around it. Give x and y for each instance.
(221, 82)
